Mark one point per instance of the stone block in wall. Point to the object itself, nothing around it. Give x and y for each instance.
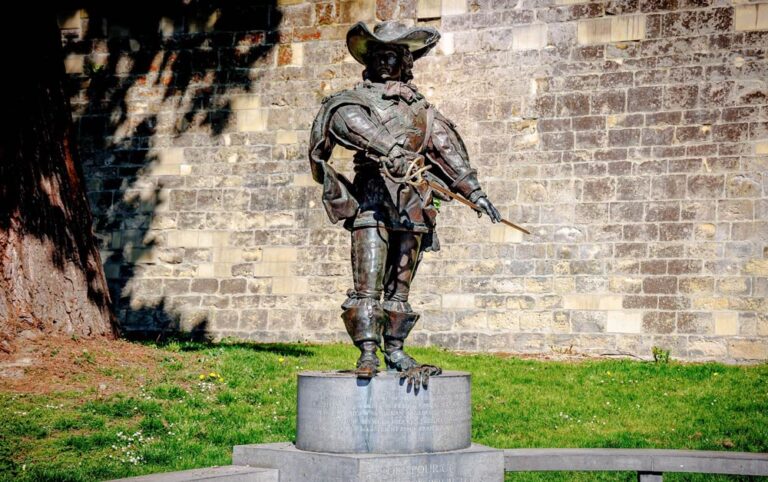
(613, 29)
(529, 37)
(169, 162)
(282, 270)
(588, 321)
(286, 137)
(624, 322)
(706, 348)
(280, 255)
(252, 120)
(726, 323)
(453, 7)
(701, 323)
(245, 102)
(291, 285)
(358, 11)
(751, 17)
(559, 14)
(222, 254)
(536, 322)
(429, 8)
(504, 234)
(74, 64)
(458, 301)
(304, 180)
(290, 55)
(592, 302)
(757, 267)
(748, 349)
(446, 45)
(73, 21)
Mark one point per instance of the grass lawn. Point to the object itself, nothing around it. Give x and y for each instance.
(125, 409)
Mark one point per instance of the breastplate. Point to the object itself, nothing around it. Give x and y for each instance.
(407, 123)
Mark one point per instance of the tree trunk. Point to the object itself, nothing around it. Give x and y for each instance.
(51, 276)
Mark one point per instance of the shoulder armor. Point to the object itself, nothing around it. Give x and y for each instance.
(327, 98)
(440, 117)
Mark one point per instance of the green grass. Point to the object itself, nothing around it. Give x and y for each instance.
(170, 419)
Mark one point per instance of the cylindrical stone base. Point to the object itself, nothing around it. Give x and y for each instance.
(339, 413)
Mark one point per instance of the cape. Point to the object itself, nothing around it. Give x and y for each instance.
(337, 198)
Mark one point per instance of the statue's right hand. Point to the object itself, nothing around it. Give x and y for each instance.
(398, 161)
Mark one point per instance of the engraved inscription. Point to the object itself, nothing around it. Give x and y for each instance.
(445, 472)
(398, 414)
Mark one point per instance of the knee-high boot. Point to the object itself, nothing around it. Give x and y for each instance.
(364, 321)
(400, 320)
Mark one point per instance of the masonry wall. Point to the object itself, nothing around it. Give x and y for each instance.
(630, 137)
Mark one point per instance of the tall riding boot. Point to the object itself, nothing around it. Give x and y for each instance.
(399, 323)
(363, 318)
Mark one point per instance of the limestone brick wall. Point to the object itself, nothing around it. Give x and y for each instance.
(630, 137)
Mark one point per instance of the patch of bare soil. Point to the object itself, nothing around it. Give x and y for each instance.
(48, 364)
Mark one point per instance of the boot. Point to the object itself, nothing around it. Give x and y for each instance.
(363, 319)
(368, 364)
(400, 322)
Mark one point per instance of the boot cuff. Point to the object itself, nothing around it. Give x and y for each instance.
(399, 324)
(364, 322)
(397, 306)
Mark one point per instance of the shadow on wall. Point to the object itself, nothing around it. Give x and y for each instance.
(145, 77)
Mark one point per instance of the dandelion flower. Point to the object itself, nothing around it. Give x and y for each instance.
(202, 377)
(281, 359)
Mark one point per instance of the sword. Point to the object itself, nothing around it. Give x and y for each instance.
(469, 203)
(414, 176)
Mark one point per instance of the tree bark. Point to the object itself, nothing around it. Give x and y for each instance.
(51, 276)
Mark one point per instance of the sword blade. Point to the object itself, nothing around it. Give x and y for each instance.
(469, 203)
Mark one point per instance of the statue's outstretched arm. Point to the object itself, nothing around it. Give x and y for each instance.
(447, 150)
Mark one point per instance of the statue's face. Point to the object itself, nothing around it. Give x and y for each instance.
(384, 64)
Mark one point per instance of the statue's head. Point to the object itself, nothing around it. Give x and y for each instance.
(389, 51)
(388, 62)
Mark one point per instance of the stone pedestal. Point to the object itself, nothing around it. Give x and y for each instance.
(351, 430)
(339, 413)
(474, 464)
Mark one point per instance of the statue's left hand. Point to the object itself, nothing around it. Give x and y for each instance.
(418, 375)
(489, 209)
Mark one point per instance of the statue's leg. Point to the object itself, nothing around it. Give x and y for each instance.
(363, 316)
(403, 259)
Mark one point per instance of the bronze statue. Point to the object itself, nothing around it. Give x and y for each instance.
(408, 156)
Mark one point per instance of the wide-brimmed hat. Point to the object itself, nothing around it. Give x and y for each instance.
(419, 40)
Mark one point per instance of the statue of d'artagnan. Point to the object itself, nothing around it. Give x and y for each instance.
(399, 140)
